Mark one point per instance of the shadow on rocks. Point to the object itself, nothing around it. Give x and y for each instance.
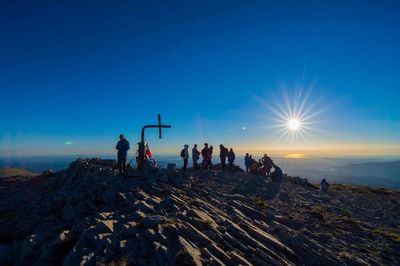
(272, 189)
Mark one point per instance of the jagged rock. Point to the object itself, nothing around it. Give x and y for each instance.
(153, 221)
(187, 254)
(164, 179)
(48, 173)
(171, 166)
(87, 215)
(28, 248)
(105, 226)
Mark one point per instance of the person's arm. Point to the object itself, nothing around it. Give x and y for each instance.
(118, 146)
(127, 145)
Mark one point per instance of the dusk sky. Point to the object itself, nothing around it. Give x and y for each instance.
(76, 74)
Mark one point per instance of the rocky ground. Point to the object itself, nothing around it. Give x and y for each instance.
(86, 215)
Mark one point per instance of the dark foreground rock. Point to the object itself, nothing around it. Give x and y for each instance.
(86, 215)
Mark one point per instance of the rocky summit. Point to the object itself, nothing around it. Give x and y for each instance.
(87, 215)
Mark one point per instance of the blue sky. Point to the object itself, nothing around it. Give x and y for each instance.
(215, 70)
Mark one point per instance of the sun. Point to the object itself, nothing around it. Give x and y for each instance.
(293, 124)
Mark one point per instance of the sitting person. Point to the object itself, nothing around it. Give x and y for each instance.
(324, 185)
(276, 176)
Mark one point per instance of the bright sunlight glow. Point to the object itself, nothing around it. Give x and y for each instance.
(293, 124)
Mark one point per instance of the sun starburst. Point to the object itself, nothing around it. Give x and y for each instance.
(293, 114)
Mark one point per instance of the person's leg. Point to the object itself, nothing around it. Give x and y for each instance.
(223, 166)
(119, 165)
(124, 165)
(185, 162)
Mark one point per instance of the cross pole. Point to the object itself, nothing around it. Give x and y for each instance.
(141, 157)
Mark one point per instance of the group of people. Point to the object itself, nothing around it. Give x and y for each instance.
(207, 153)
(263, 166)
(265, 162)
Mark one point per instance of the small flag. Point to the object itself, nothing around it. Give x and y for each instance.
(147, 150)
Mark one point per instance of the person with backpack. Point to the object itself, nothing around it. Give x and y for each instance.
(185, 156)
(231, 158)
(122, 147)
(222, 155)
(195, 157)
(247, 162)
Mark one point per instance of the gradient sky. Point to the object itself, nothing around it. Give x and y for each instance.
(75, 75)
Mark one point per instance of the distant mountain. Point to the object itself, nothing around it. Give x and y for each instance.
(373, 169)
(14, 171)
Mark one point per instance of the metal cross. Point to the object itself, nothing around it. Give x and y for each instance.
(141, 157)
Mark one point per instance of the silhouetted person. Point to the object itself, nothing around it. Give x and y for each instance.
(324, 185)
(204, 154)
(231, 158)
(267, 164)
(247, 162)
(195, 157)
(277, 174)
(223, 153)
(185, 156)
(209, 156)
(122, 147)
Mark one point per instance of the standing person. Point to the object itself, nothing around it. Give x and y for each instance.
(247, 162)
(267, 164)
(122, 147)
(209, 156)
(222, 155)
(324, 185)
(195, 156)
(204, 154)
(231, 158)
(185, 156)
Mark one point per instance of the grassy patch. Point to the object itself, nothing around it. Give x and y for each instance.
(259, 201)
(318, 211)
(343, 255)
(206, 223)
(387, 232)
(318, 208)
(351, 221)
(381, 191)
(169, 222)
(350, 188)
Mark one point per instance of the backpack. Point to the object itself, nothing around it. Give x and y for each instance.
(183, 153)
